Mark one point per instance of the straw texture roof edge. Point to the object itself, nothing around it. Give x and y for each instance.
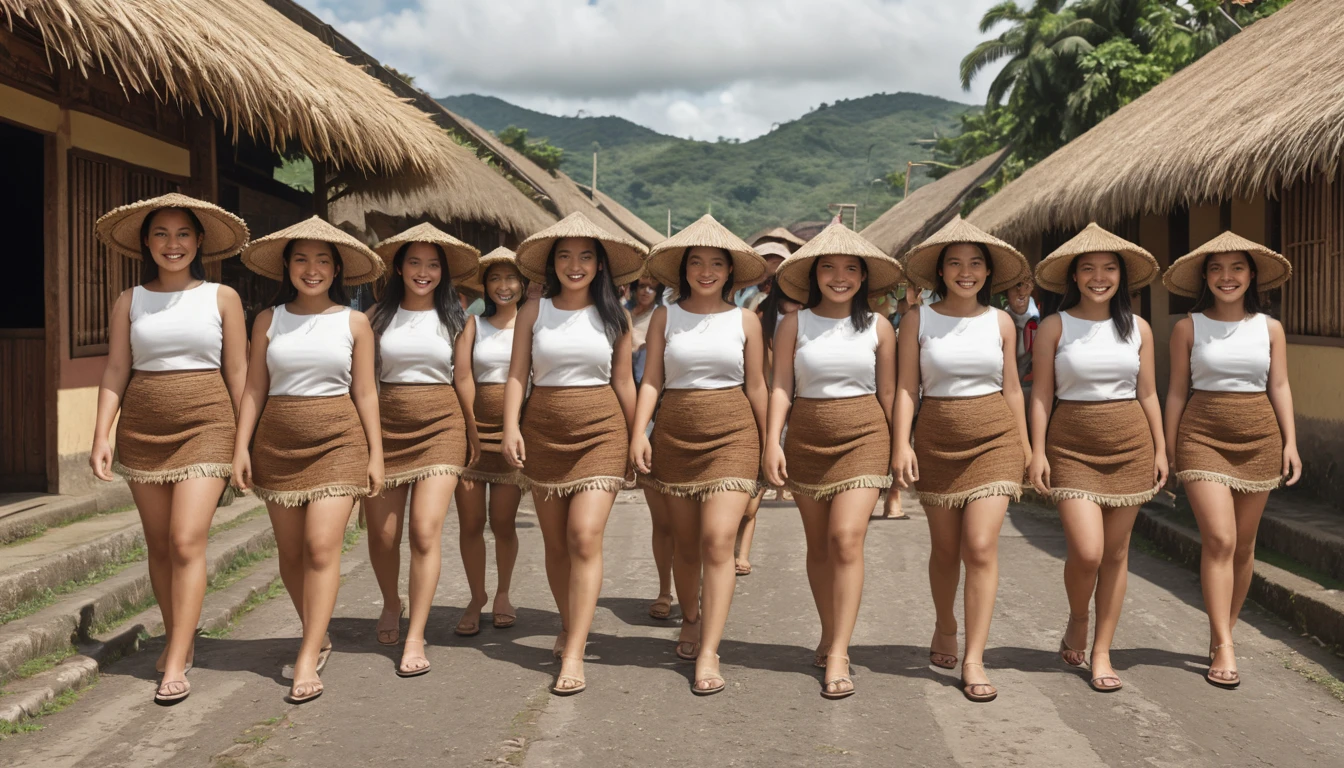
(664, 262)
(1052, 273)
(930, 207)
(1185, 275)
(625, 255)
(779, 233)
(265, 255)
(921, 263)
(225, 233)
(793, 276)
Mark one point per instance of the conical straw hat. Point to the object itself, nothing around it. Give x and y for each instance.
(500, 255)
(265, 255)
(624, 254)
(664, 262)
(781, 234)
(771, 248)
(1052, 273)
(836, 239)
(225, 234)
(921, 263)
(1185, 277)
(462, 258)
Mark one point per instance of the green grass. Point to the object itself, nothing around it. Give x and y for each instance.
(275, 589)
(1290, 565)
(352, 536)
(41, 529)
(62, 700)
(234, 570)
(34, 666)
(50, 596)
(245, 517)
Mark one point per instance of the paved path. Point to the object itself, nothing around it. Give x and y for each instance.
(486, 700)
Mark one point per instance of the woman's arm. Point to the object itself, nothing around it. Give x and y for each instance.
(753, 368)
(116, 376)
(623, 378)
(464, 383)
(655, 343)
(235, 343)
(253, 401)
(1012, 386)
(886, 368)
(781, 400)
(1281, 397)
(1178, 387)
(520, 370)
(1042, 398)
(1147, 393)
(364, 392)
(904, 465)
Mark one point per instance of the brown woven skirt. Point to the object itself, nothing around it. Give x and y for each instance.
(423, 432)
(175, 426)
(968, 448)
(1102, 452)
(491, 466)
(705, 441)
(837, 445)
(575, 439)
(309, 448)
(1231, 438)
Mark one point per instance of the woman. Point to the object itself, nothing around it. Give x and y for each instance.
(312, 399)
(839, 359)
(970, 449)
(648, 296)
(704, 362)
(1100, 454)
(176, 366)
(1233, 440)
(425, 405)
(572, 442)
(489, 342)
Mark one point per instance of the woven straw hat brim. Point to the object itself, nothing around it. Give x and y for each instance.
(500, 255)
(921, 263)
(1185, 277)
(1052, 273)
(884, 272)
(625, 256)
(664, 263)
(225, 234)
(462, 258)
(771, 248)
(265, 255)
(782, 235)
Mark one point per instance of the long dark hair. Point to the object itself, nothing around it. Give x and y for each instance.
(769, 311)
(1250, 300)
(490, 307)
(1121, 313)
(684, 285)
(449, 309)
(149, 270)
(859, 314)
(287, 292)
(986, 292)
(602, 290)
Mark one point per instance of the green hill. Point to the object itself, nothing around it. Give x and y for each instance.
(830, 155)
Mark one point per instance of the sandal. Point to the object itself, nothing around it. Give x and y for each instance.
(742, 568)
(694, 652)
(392, 636)
(502, 620)
(401, 668)
(711, 690)
(560, 689)
(171, 697)
(968, 689)
(1099, 682)
(661, 609)
(324, 653)
(467, 630)
(819, 659)
(1065, 648)
(315, 690)
(1232, 679)
(560, 640)
(940, 659)
(826, 693)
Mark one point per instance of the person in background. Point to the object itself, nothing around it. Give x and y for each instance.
(645, 296)
(752, 296)
(1022, 309)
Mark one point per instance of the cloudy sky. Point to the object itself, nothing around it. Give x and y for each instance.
(701, 68)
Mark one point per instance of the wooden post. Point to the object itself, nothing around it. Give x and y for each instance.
(320, 192)
(594, 176)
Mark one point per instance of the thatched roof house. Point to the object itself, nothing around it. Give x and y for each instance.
(928, 208)
(625, 217)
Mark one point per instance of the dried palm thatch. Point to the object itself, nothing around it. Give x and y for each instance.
(930, 207)
(1261, 111)
(246, 63)
(626, 218)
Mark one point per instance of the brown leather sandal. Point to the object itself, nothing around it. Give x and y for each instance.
(694, 645)
(1065, 648)
(969, 689)
(940, 659)
(392, 636)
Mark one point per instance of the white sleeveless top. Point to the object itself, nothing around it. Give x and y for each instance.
(1230, 357)
(309, 355)
(832, 360)
(1092, 363)
(177, 330)
(704, 351)
(960, 356)
(416, 349)
(491, 353)
(569, 348)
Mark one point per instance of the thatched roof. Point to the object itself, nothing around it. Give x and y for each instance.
(626, 218)
(246, 63)
(1261, 111)
(928, 208)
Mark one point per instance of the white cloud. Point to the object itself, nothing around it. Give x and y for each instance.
(685, 67)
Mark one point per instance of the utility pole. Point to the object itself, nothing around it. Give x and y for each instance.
(595, 175)
(853, 209)
(669, 222)
(908, 167)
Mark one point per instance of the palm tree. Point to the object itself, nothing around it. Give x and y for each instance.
(1039, 45)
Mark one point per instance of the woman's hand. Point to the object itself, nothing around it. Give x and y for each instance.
(100, 459)
(1161, 468)
(905, 467)
(641, 454)
(1038, 471)
(773, 465)
(1292, 465)
(375, 476)
(512, 446)
(473, 450)
(242, 470)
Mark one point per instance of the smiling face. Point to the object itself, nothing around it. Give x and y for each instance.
(840, 277)
(421, 269)
(504, 284)
(1229, 276)
(709, 271)
(1097, 276)
(172, 240)
(576, 262)
(1019, 296)
(965, 270)
(312, 267)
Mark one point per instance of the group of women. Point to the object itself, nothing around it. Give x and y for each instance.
(418, 402)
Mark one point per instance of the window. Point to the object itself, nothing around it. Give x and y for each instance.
(1313, 240)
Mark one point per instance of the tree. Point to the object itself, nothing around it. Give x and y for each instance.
(541, 152)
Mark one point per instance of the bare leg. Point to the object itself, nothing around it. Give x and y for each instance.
(471, 517)
(1215, 511)
(1085, 536)
(816, 529)
(663, 545)
(193, 504)
(1111, 584)
(982, 520)
(588, 513)
(385, 515)
(553, 517)
(1249, 508)
(891, 508)
(684, 514)
(154, 502)
(323, 535)
(720, 515)
(745, 533)
(504, 501)
(848, 528)
(429, 505)
(945, 526)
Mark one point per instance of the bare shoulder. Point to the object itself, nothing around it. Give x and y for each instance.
(359, 322)
(1185, 327)
(1051, 324)
(885, 330)
(1145, 330)
(749, 319)
(1275, 328)
(910, 323)
(527, 314)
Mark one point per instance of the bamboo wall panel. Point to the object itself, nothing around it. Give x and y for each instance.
(23, 457)
(1313, 240)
